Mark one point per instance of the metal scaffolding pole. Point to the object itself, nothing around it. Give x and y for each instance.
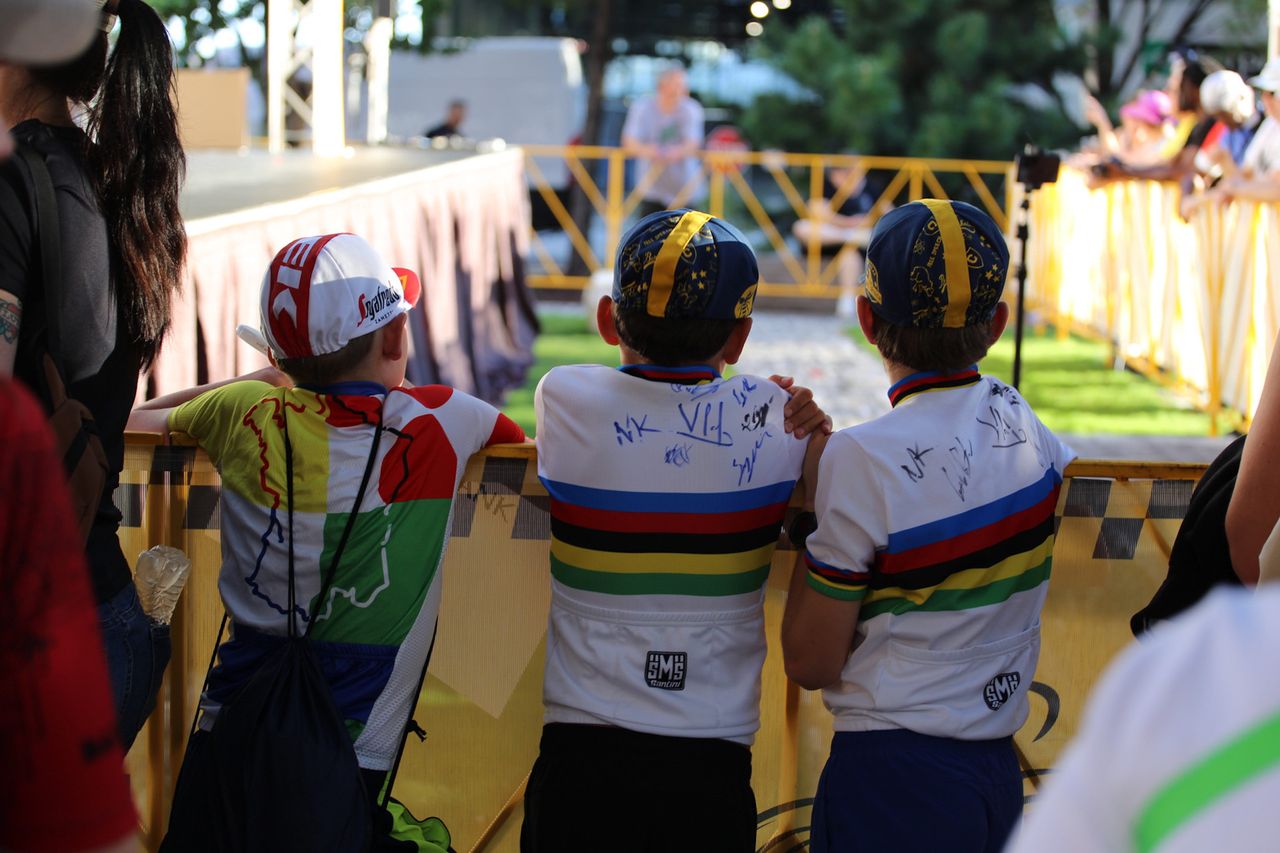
(377, 45)
(1273, 29)
(304, 42)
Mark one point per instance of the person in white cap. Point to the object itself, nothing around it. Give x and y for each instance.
(57, 715)
(111, 208)
(1258, 178)
(335, 317)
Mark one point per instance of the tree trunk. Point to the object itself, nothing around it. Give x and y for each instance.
(599, 52)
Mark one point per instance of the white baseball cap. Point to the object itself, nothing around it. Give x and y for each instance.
(322, 292)
(47, 32)
(1268, 80)
(1226, 92)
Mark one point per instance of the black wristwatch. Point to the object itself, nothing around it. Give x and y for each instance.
(801, 526)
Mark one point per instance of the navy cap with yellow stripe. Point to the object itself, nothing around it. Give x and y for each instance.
(936, 264)
(685, 264)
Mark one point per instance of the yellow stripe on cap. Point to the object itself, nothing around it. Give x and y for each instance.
(663, 277)
(956, 256)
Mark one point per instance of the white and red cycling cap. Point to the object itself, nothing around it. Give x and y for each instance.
(320, 293)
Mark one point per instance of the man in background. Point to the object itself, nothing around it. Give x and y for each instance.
(452, 124)
(664, 131)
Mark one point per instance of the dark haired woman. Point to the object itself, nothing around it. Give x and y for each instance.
(121, 247)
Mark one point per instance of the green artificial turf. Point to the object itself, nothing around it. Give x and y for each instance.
(565, 339)
(1070, 383)
(1074, 389)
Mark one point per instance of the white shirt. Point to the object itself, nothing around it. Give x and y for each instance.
(1180, 747)
(1263, 154)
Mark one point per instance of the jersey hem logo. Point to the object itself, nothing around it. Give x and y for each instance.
(666, 670)
(1000, 689)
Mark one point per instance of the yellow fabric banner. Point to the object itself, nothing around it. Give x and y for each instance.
(481, 705)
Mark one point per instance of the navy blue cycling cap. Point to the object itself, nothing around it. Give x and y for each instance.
(685, 264)
(936, 264)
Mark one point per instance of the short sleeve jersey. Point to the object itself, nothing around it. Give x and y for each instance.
(647, 123)
(938, 518)
(375, 625)
(1179, 750)
(668, 487)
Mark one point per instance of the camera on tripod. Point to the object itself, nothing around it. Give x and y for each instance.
(1037, 168)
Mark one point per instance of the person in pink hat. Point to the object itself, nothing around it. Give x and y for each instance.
(1144, 123)
(326, 459)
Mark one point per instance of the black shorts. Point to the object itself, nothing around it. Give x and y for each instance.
(596, 788)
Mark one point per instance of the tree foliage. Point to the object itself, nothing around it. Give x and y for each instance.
(937, 78)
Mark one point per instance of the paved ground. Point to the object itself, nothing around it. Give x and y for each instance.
(847, 381)
(851, 384)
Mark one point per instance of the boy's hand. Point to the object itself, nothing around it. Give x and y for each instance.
(801, 416)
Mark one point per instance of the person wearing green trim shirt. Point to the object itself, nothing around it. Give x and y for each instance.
(1180, 745)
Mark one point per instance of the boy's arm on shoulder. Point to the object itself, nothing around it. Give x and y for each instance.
(801, 415)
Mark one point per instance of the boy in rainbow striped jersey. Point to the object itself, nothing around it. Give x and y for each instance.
(915, 604)
(668, 486)
(334, 315)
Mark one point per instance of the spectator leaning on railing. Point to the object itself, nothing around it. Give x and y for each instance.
(1144, 128)
(1228, 100)
(57, 722)
(665, 131)
(1258, 178)
(1177, 158)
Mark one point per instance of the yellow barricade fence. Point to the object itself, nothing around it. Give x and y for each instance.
(1195, 304)
(764, 190)
(481, 703)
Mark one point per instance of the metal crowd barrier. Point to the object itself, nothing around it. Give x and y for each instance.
(759, 190)
(1194, 304)
(481, 703)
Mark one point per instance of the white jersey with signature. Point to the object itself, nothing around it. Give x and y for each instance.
(939, 518)
(668, 488)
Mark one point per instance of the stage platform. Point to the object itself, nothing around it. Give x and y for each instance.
(459, 218)
(223, 182)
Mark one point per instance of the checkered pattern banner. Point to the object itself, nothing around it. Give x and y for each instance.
(482, 700)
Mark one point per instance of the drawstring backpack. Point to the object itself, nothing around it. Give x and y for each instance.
(282, 768)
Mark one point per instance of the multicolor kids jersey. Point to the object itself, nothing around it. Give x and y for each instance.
(938, 517)
(668, 488)
(375, 626)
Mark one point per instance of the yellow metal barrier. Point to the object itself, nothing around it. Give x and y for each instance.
(795, 179)
(1194, 304)
(481, 704)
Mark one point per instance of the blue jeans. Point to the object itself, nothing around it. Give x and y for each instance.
(137, 652)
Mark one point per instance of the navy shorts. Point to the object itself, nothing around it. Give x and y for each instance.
(905, 792)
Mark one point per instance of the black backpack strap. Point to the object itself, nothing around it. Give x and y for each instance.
(213, 658)
(47, 228)
(327, 581)
(411, 725)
